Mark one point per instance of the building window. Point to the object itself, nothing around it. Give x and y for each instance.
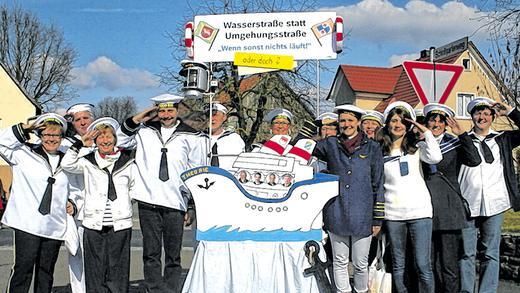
(466, 63)
(462, 101)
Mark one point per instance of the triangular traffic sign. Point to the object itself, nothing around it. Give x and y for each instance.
(432, 82)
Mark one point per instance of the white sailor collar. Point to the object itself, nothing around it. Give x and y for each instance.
(480, 138)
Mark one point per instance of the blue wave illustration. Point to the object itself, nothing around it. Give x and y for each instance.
(224, 234)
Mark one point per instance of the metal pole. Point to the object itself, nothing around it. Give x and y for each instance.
(210, 132)
(317, 88)
(432, 59)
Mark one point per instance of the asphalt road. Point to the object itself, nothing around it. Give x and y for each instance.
(61, 275)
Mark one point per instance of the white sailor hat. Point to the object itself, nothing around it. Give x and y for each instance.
(402, 105)
(373, 115)
(480, 101)
(436, 108)
(166, 100)
(278, 113)
(219, 107)
(349, 108)
(327, 118)
(104, 121)
(52, 117)
(419, 112)
(80, 108)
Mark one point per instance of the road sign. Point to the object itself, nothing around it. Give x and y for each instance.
(303, 35)
(264, 60)
(451, 49)
(432, 82)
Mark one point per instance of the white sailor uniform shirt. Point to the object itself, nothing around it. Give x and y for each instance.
(77, 186)
(31, 172)
(185, 149)
(484, 186)
(96, 181)
(229, 145)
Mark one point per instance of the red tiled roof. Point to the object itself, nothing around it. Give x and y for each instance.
(371, 79)
(403, 92)
(245, 85)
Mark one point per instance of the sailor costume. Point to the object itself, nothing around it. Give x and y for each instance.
(36, 209)
(226, 145)
(76, 271)
(162, 154)
(110, 180)
(449, 211)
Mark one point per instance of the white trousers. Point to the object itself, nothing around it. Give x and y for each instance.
(76, 266)
(342, 248)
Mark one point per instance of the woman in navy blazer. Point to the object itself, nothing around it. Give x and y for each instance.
(357, 213)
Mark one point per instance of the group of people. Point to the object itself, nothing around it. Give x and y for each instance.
(271, 179)
(421, 186)
(437, 196)
(90, 179)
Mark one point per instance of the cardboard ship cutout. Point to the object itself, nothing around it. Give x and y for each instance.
(267, 195)
(254, 218)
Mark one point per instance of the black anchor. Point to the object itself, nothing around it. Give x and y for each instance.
(208, 185)
(318, 267)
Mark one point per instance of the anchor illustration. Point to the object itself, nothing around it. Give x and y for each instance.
(208, 185)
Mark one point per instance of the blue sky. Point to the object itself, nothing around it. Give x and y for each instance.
(122, 44)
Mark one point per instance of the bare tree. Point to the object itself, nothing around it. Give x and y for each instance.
(503, 26)
(502, 23)
(294, 90)
(36, 55)
(118, 108)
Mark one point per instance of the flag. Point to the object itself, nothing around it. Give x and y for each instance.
(323, 28)
(206, 32)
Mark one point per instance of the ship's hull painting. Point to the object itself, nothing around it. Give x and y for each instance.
(226, 211)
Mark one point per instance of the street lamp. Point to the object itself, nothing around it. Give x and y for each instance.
(197, 76)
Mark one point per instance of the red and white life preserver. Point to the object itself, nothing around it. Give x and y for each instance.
(188, 39)
(339, 34)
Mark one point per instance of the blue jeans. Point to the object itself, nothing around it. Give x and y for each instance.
(489, 244)
(420, 232)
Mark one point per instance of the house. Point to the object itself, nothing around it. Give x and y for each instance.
(375, 87)
(257, 95)
(15, 107)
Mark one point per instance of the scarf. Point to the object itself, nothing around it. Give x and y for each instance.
(350, 145)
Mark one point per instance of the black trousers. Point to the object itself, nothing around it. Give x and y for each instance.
(107, 259)
(36, 253)
(446, 253)
(161, 226)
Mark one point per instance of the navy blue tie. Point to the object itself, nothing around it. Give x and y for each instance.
(214, 156)
(488, 155)
(112, 194)
(45, 204)
(163, 167)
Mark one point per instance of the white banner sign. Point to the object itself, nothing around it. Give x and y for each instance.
(304, 35)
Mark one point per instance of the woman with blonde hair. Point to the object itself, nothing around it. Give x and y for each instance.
(37, 207)
(109, 176)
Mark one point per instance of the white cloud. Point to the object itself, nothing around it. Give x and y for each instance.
(105, 73)
(398, 59)
(418, 22)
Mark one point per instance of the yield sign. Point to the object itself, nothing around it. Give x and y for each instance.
(432, 82)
